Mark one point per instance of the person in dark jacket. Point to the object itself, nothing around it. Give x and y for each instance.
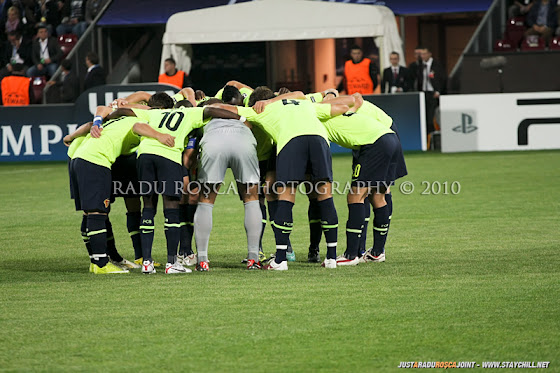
(95, 74)
(542, 19)
(45, 53)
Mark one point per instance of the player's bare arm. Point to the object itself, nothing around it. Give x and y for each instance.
(238, 85)
(330, 92)
(189, 94)
(261, 105)
(231, 108)
(121, 112)
(135, 98)
(350, 101)
(359, 101)
(216, 112)
(145, 130)
(80, 131)
(338, 109)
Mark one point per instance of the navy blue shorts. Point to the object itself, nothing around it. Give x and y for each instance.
(125, 176)
(401, 170)
(159, 175)
(91, 186)
(302, 155)
(375, 165)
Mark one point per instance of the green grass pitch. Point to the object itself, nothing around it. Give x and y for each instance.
(469, 277)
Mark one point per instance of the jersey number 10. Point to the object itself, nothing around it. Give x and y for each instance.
(168, 118)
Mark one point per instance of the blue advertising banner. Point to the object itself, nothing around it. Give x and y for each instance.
(34, 133)
(407, 111)
(138, 12)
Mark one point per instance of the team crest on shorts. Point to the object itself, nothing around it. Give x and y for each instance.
(106, 203)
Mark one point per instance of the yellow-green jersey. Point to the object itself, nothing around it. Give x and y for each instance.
(245, 92)
(177, 97)
(265, 145)
(116, 139)
(350, 130)
(314, 97)
(285, 119)
(175, 122)
(74, 145)
(376, 113)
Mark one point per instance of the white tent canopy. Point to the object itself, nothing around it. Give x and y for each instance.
(276, 20)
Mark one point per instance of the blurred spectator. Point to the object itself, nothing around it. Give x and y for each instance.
(66, 88)
(17, 51)
(172, 76)
(360, 74)
(432, 81)
(519, 8)
(46, 54)
(95, 74)
(4, 6)
(415, 68)
(395, 77)
(93, 7)
(47, 12)
(16, 89)
(75, 23)
(542, 19)
(13, 20)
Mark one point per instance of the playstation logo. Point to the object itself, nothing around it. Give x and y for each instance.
(466, 124)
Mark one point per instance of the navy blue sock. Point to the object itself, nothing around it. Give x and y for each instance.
(133, 227)
(389, 200)
(263, 211)
(380, 229)
(315, 232)
(282, 226)
(272, 207)
(111, 247)
(363, 239)
(191, 210)
(183, 222)
(354, 227)
(172, 233)
(329, 223)
(147, 232)
(85, 238)
(97, 233)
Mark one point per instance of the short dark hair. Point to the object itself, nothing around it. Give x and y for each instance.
(160, 100)
(93, 58)
(18, 67)
(420, 46)
(355, 46)
(259, 94)
(66, 64)
(41, 25)
(393, 52)
(16, 33)
(183, 103)
(210, 101)
(230, 92)
(170, 59)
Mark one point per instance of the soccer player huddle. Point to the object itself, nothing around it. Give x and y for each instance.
(180, 147)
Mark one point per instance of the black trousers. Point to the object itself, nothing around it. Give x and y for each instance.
(431, 105)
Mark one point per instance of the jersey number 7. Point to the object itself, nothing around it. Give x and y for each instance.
(168, 118)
